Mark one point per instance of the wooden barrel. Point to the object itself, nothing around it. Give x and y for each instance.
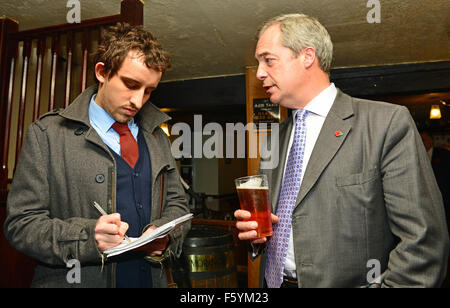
(209, 256)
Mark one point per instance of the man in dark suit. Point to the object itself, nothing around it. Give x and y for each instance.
(354, 198)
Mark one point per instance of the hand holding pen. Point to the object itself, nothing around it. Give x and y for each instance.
(109, 230)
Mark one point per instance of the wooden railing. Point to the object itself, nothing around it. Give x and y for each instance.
(43, 69)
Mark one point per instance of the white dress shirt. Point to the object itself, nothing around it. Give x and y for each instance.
(319, 108)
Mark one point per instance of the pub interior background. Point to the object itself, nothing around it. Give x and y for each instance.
(404, 59)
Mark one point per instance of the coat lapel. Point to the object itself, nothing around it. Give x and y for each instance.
(327, 143)
(158, 158)
(149, 119)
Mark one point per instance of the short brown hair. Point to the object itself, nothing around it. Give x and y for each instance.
(119, 40)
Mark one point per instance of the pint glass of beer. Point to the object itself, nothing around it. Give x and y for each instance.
(253, 192)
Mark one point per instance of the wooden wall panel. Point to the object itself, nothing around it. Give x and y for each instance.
(254, 90)
(7, 65)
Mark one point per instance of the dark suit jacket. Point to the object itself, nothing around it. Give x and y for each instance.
(368, 197)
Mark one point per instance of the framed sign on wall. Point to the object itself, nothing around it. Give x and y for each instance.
(265, 112)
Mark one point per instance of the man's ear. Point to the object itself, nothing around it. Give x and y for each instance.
(100, 72)
(309, 57)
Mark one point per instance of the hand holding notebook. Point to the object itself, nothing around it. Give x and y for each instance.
(148, 237)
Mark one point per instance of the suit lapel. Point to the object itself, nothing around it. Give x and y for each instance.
(327, 143)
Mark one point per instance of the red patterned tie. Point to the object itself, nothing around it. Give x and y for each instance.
(128, 146)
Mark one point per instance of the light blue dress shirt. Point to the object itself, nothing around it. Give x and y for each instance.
(102, 121)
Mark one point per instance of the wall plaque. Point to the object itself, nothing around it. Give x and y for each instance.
(265, 112)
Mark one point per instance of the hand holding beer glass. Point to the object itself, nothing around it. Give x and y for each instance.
(255, 215)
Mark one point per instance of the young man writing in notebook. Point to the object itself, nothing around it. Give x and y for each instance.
(105, 147)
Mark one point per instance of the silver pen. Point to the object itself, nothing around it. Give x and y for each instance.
(102, 211)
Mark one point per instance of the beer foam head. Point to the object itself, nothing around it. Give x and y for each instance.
(252, 183)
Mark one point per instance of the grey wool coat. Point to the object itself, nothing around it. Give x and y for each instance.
(64, 167)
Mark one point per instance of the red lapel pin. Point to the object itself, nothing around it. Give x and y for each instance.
(338, 133)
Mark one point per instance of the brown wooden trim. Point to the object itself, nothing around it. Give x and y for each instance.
(40, 50)
(23, 97)
(255, 90)
(69, 54)
(8, 53)
(132, 12)
(63, 28)
(85, 44)
(53, 71)
(7, 129)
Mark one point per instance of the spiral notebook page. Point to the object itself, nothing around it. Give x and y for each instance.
(136, 242)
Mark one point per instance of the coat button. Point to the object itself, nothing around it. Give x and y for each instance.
(99, 178)
(79, 131)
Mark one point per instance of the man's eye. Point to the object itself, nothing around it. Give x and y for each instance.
(269, 60)
(131, 86)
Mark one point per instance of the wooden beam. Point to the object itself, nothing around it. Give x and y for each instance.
(69, 55)
(7, 53)
(400, 79)
(40, 53)
(63, 28)
(254, 90)
(132, 12)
